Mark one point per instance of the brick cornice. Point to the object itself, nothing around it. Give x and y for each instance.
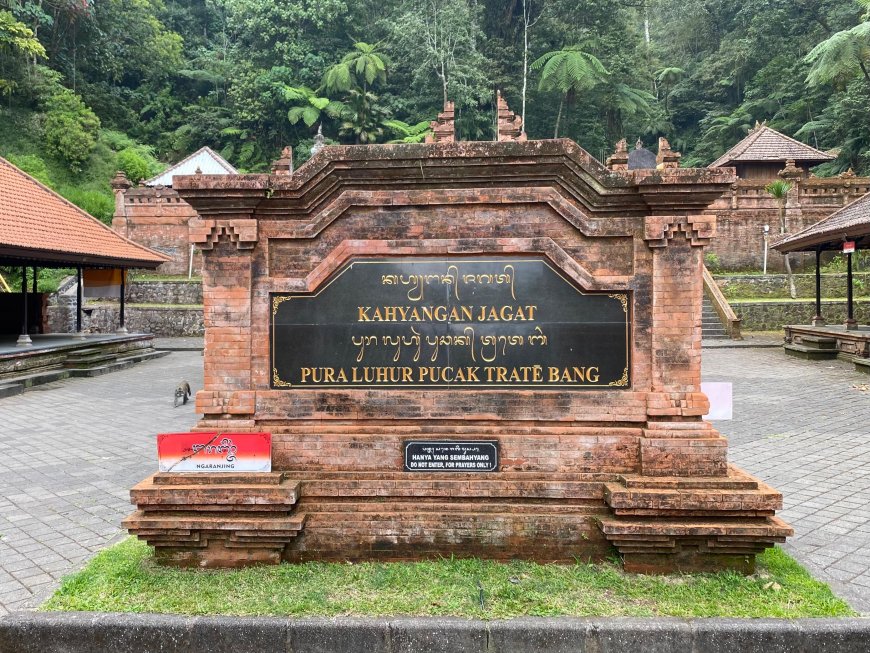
(658, 230)
(620, 226)
(205, 233)
(488, 167)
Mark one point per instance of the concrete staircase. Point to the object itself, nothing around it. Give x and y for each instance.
(50, 364)
(711, 326)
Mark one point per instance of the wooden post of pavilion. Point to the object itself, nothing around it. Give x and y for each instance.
(818, 320)
(24, 339)
(850, 305)
(79, 335)
(121, 327)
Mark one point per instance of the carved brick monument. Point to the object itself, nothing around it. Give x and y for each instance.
(488, 349)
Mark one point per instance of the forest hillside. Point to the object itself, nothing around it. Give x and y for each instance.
(90, 86)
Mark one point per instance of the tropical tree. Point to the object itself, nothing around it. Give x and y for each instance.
(531, 15)
(779, 190)
(17, 41)
(362, 118)
(354, 75)
(310, 108)
(568, 71)
(622, 101)
(360, 68)
(841, 56)
(668, 77)
(242, 146)
(444, 37)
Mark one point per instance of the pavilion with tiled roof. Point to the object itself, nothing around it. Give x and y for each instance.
(851, 223)
(40, 229)
(764, 152)
(846, 230)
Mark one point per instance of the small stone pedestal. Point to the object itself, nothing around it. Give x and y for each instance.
(215, 519)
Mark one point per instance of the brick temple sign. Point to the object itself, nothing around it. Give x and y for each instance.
(474, 349)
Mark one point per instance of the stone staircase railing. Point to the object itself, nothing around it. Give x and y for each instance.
(723, 309)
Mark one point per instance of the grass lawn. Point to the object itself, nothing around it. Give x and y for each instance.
(789, 300)
(123, 578)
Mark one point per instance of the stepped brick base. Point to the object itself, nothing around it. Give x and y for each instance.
(397, 516)
(658, 525)
(215, 520)
(663, 525)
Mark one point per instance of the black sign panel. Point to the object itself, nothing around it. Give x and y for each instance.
(456, 322)
(450, 456)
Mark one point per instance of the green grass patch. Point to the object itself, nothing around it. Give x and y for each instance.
(789, 300)
(124, 578)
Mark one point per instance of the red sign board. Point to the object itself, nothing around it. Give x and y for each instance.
(214, 452)
(849, 247)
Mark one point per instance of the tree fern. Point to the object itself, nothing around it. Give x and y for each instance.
(408, 133)
(569, 69)
(310, 108)
(841, 56)
(361, 67)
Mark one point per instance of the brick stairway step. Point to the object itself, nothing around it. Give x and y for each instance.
(819, 342)
(809, 353)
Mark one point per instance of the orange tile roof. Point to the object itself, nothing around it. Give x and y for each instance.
(37, 224)
(849, 223)
(766, 144)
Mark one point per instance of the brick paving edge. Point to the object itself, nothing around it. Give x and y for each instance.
(94, 632)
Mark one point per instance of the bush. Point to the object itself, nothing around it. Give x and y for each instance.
(70, 128)
(100, 205)
(860, 261)
(712, 262)
(136, 166)
(116, 140)
(33, 166)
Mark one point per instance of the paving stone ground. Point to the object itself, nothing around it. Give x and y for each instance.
(73, 449)
(70, 453)
(804, 428)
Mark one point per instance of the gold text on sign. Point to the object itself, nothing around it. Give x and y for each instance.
(526, 374)
(441, 313)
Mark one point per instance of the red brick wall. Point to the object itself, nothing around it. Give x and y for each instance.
(157, 218)
(305, 229)
(742, 213)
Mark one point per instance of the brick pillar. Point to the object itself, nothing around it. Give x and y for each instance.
(227, 400)
(120, 186)
(676, 441)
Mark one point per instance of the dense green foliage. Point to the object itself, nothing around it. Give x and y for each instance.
(248, 77)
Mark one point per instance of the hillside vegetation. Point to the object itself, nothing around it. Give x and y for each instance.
(90, 86)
